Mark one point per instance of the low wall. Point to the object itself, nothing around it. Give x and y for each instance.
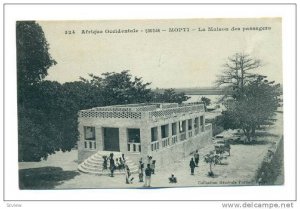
(271, 166)
(181, 149)
(84, 153)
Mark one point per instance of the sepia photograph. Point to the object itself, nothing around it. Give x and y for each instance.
(150, 103)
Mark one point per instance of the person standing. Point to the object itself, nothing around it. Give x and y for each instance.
(152, 166)
(123, 158)
(141, 170)
(196, 156)
(192, 166)
(149, 159)
(111, 165)
(129, 179)
(148, 173)
(104, 162)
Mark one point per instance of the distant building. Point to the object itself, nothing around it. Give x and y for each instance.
(166, 131)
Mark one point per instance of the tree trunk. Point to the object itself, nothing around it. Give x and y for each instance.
(253, 131)
(247, 134)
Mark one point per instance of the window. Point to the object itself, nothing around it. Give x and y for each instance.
(196, 123)
(182, 126)
(89, 133)
(174, 129)
(190, 122)
(154, 134)
(165, 131)
(134, 135)
(201, 121)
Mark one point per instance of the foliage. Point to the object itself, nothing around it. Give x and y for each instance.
(212, 159)
(170, 96)
(33, 61)
(253, 107)
(33, 58)
(238, 72)
(120, 88)
(206, 101)
(253, 99)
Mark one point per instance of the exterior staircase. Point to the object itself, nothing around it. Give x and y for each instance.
(94, 164)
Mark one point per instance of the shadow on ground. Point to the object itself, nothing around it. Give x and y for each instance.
(44, 177)
(266, 134)
(253, 142)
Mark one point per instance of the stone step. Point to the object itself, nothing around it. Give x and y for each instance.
(91, 163)
(103, 172)
(92, 160)
(100, 157)
(94, 164)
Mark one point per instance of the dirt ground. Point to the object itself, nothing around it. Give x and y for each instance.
(238, 169)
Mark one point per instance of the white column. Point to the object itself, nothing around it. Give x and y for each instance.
(145, 134)
(99, 138)
(123, 139)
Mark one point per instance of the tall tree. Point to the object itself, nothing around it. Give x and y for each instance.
(33, 61)
(254, 99)
(253, 107)
(238, 72)
(33, 58)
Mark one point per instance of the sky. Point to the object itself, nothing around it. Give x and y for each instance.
(166, 59)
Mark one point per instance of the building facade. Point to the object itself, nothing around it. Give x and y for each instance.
(166, 131)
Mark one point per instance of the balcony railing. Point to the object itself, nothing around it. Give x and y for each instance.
(88, 144)
(170, 112)
(196, 131)
(141, 111)
(154, 145)
(208, 127)
(174, 139)
(182, 136)
(165, 142)
(134, 147)
(190, 133)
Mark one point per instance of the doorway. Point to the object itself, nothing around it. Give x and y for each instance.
(111, 139)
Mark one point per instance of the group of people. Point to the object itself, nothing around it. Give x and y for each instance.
(118, 163)
(194, 162)
(150, 169)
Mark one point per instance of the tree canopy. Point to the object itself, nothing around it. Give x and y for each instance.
(254, 98)
(206, 101)
(169, 95)
(33, 58)
(238, 72)
(120, 88)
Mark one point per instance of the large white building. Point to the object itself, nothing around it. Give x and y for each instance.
(166, 131)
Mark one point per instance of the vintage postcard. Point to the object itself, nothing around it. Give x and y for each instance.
(150, 103)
